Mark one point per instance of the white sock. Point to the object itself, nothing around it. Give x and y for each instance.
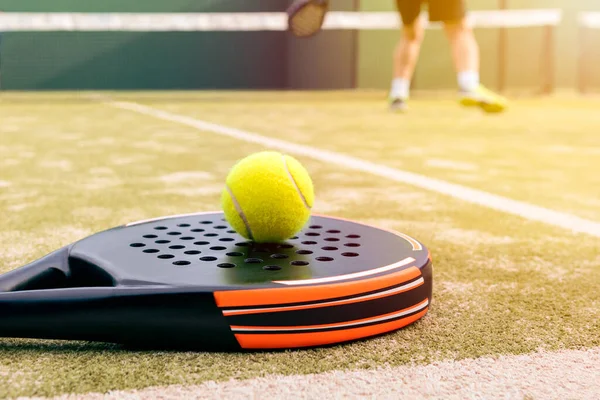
(468, 80)
(400, 88)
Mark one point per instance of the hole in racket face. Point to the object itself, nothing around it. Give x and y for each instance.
(209, 242)
(272, 268)
(279, 256)
(324, 259)
(299, 263)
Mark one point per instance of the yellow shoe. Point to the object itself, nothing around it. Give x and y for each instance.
(486, 99)
(398, 104)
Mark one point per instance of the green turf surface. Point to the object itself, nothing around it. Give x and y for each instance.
(541, 151)
(502, 284)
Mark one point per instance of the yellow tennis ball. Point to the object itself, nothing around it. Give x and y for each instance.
(268, 197)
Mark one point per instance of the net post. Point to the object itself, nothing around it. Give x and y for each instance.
(582, 59)
(502, 40)
(1, 57)
(548, 59)
(355, 48)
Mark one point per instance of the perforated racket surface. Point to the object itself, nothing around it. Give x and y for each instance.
(306, 17)
(192, 282)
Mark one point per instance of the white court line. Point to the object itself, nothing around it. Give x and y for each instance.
(566, 374)
(499, 203)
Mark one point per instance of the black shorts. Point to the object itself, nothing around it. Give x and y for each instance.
(439, 10)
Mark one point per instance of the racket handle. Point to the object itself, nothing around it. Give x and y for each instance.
(148, 317)
(49, 271)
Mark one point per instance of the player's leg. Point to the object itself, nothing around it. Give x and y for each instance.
(406, 52)
(465, 54)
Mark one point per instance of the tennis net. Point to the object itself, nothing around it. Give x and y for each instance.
(173, 50)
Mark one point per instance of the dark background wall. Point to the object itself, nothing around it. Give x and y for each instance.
(131, 60)
(173, 60)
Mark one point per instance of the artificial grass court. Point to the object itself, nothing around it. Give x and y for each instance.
(72, 165)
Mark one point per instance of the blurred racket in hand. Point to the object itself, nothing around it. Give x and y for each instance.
(305, 17)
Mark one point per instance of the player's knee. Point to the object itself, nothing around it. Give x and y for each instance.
(457, 27)
(413, 33)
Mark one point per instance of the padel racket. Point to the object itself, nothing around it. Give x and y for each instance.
(306, 17)
(191, 282)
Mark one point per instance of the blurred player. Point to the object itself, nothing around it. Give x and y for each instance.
(465, 53)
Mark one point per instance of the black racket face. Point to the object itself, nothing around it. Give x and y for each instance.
(191, 282)
(306, 17)
(203, 250)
